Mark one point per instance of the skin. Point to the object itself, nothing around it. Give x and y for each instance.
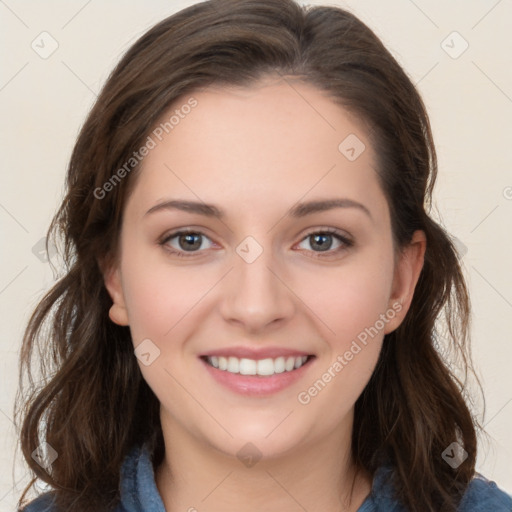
(255, 152)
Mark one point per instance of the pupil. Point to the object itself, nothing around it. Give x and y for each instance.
(189, 242)
(322, 241)
(322, 245)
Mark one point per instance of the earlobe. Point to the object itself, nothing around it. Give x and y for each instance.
(407, 273)
(118, 315)
(113, 283)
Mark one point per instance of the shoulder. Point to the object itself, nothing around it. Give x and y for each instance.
(43, 503)
(483, 495)
(138, 491)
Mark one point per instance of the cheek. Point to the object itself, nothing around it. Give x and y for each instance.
(351, 298)
(352, 309)
(157, 294)
(345, 299)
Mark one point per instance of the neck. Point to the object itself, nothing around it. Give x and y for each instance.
(317, 477)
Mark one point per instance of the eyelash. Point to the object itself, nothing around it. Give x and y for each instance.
(318, 254)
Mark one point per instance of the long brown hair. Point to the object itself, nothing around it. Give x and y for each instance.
(92, 404)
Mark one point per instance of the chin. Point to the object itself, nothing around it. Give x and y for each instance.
(262, 440)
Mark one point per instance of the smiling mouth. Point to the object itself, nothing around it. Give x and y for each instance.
(257, 367)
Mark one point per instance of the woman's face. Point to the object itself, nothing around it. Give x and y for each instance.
(271, 273)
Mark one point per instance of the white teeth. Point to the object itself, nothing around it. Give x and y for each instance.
(263, 367)
(290, 364)
(279, 365)
(247, 366)
(233, 364)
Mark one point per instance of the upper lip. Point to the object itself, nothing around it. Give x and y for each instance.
(256, 353)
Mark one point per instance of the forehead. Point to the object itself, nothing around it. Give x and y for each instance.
(277, 140)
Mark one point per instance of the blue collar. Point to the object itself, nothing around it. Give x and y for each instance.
(139, 492)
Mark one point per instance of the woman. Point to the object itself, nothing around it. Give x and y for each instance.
(248, 317)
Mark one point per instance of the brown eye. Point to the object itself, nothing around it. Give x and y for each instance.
(189, 241)
(184, 242)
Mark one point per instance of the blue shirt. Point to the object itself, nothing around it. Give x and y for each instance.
(139, 492)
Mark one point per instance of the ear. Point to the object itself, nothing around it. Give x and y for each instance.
(407, 272)
(113, 282)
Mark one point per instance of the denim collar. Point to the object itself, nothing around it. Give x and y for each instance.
(139, 492)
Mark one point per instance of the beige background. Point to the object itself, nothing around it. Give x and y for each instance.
(468, 95)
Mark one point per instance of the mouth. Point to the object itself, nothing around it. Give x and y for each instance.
(256, 371)
(267, 367)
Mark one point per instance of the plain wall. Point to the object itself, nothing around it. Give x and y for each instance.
(468, 96)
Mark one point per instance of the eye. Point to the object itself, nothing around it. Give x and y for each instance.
(323, 241)
(186, 242)
(182, 242)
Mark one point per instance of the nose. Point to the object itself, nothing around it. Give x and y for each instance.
(256, 294)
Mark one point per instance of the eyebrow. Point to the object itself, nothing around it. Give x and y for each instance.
(297, 211)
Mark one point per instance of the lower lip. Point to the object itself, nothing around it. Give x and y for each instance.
(254, 385)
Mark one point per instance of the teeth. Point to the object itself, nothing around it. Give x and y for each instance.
(263, 367)
(233, 365)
